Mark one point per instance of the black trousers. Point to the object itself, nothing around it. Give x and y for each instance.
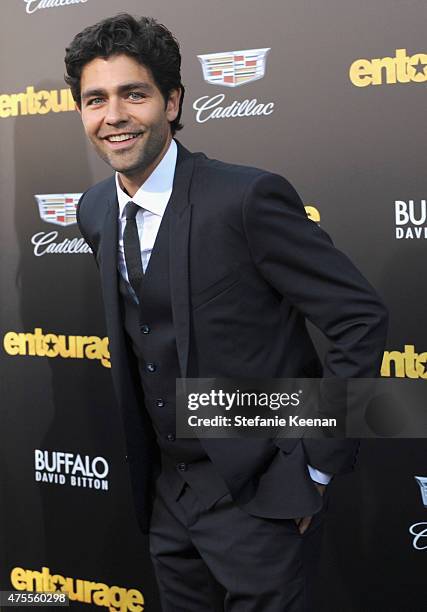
(221, 559)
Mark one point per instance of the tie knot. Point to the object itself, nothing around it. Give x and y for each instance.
(131, 210)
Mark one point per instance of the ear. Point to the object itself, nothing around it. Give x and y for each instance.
(172, 106)
(78, 109)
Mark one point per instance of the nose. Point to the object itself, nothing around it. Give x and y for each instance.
(115, 113)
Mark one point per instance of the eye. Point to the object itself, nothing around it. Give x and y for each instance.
(94, 101)
(135, 96)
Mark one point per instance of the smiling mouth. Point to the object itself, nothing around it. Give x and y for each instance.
(122, 137)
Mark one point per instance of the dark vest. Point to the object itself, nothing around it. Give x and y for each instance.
(150, 328)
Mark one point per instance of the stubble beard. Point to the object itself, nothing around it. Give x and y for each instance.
(135, 162)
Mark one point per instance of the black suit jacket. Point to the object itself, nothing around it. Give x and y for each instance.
(247, 267)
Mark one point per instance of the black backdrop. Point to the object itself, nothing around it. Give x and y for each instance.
(349, 135)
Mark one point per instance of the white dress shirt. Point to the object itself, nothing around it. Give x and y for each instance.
(153, 197)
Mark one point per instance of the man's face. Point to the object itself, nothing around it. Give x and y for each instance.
(125, 115)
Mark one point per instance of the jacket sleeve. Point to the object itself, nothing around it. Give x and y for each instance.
(300, 261)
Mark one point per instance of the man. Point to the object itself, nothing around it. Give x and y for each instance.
(210, 270)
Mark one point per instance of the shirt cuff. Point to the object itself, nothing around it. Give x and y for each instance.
(318, 476)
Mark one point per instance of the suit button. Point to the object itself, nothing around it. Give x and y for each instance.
(182, 467)
(170, 437)
(150, 367)
(145, 329)
(160, 403)
(126, 458)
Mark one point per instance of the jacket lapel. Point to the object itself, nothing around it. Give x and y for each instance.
(179, 236)
(108, 263)
(180, 218)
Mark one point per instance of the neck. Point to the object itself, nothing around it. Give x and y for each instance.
(132, 182)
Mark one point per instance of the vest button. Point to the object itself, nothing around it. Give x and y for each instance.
(160, 403)
(145, 329)
(170, 437)
(150, 367)
(182, 467)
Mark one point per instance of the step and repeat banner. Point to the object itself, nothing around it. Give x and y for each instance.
(333, 97)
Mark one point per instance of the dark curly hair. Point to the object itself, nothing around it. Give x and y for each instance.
(150, 43)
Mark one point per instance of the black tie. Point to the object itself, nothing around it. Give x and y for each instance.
(132, 247)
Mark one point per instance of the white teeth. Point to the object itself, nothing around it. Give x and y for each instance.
(121, 137)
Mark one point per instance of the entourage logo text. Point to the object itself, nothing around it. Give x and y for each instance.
(410, 219)
(312, 213)
(42, 344)
(404, 364)
(232, 69)
(31, 102)
(402, 68)
(114, 598)
(31, 6)
(57, 467)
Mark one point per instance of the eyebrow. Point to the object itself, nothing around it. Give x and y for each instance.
(90, 93)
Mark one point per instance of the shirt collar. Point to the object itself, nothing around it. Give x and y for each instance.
(154, 194)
